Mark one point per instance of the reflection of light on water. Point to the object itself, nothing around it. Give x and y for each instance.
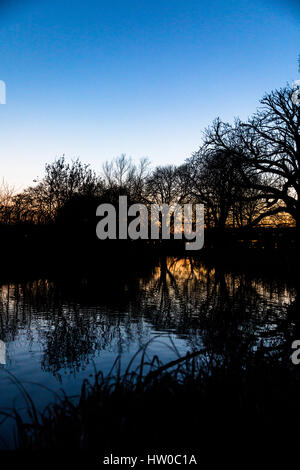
(182, 269)
(55, 330)
(284, 296)
(2, 352)
(185, 269)
(12, 294)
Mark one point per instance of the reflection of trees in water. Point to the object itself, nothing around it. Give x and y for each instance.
(73, 320)
(217, 309)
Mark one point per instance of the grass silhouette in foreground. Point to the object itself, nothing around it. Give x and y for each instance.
(199, 401)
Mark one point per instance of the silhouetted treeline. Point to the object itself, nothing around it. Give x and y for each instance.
(246, 175)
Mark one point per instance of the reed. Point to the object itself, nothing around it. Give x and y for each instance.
(189, 401)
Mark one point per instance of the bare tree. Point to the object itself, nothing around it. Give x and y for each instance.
(62, 181)
(122, 174)
(267, 152)
(6, 202)
(168, 185)
(213, 184)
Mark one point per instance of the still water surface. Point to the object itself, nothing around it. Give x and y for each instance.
(58, 330)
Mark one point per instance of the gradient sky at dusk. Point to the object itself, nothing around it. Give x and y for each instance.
(97, 78)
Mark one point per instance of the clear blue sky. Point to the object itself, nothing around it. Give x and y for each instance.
(95, 78)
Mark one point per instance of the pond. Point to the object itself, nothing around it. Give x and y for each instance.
(58, 330)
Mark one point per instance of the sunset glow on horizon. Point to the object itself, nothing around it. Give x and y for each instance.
(95, 79)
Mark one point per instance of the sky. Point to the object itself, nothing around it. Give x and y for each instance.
(94, 79)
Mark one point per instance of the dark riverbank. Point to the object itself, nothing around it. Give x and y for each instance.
(51, 247)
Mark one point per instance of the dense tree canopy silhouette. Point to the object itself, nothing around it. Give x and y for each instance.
(216, 181)
(167, 185)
